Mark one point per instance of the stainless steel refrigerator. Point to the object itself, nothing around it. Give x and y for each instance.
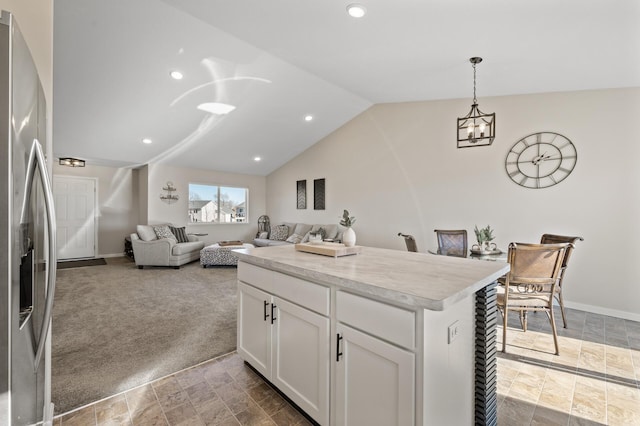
(27, 236)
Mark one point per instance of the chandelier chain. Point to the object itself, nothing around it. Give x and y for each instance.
(475, 101)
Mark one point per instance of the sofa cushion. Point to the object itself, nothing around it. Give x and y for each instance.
(330, 231)
(146, 233)
(180, 234)
(277, 243)
(261, 242)
(185, 248)
(291, 226)
(302, 229)
(279, 232)
(163, 231)
(294, 238)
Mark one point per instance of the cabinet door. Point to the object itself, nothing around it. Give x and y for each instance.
(374, 381)
(254, 327)
(301, 361)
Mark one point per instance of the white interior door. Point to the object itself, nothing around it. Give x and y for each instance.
(75, 203)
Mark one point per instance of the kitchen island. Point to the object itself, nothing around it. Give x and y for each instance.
(382, 337)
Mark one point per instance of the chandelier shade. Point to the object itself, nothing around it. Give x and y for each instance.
(71, 162)
(476, 128)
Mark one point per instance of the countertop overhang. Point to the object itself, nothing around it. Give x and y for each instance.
(418, 280)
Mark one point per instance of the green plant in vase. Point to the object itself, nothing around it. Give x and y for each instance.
(484, 237)
(349, 235)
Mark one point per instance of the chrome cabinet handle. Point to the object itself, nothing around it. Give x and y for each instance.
(37, 161)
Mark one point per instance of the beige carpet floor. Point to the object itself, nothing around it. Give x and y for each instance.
(116, 327)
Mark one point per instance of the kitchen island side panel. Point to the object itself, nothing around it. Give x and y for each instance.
(448, 371)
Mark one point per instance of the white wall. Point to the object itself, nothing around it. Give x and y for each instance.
(118, 204)
(177, 213)
(397, 169)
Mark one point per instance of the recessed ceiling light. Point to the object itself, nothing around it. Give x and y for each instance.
(308, 117)
(216, 108)
(147, 141)
(356, 10)
(176, 75)
(257, 159)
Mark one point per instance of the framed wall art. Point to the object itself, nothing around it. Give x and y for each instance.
(318, 194)
(301, 194)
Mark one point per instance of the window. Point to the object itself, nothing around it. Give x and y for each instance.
(217, 204)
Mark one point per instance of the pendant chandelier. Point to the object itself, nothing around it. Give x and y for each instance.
(476, 128)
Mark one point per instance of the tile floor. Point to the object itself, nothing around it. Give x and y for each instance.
(594, 381)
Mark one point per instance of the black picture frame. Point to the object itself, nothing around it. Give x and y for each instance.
(318, 194)
(301, 194)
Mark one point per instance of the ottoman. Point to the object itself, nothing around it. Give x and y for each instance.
(216, 255)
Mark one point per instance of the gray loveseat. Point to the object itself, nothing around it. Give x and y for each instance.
(149, 250)
(296, 233)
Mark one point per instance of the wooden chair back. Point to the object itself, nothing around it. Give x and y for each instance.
(535, 270)
(452, 242)
(557, 239)
(409, 241)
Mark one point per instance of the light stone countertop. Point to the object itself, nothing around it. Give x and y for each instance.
(419, 280)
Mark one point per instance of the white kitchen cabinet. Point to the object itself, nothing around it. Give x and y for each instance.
(375, 380)
(287, 344)
(300, 358)
(254, 327)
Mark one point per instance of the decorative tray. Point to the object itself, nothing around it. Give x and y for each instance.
(329, 249)
(486, 252)
(229, 243)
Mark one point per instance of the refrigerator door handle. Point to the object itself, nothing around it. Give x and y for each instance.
(37, 161)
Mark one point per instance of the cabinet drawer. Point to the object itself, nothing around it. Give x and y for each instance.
(256, 276)
(304, 293)
(390, 323)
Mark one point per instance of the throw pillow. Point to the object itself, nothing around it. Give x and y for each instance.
(294, 238)
(263, 235)
(180, 234)
(279, 232)
(163, 231)
(146, 233)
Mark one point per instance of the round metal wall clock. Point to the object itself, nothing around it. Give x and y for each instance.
(541, 160)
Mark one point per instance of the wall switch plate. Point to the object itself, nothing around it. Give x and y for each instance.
(454, 331)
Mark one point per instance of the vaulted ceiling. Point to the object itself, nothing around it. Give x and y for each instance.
(278, 61)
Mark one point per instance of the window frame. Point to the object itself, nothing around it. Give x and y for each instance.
(219, 188)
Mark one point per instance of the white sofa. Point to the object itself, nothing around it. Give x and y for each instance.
(148, 250)
(297, 233)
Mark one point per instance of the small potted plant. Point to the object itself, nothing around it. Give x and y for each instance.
(349, 235)
(484, 237)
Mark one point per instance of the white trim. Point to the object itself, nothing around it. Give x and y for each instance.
(603, 311)
(112, 255)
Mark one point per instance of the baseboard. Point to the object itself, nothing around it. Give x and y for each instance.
(603, 311)
(111, 255)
